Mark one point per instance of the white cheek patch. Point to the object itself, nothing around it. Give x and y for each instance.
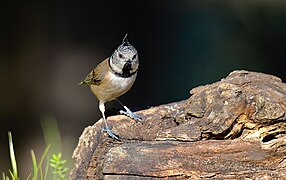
(134, 69)
(114, 67)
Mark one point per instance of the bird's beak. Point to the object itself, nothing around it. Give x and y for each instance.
(127, 65)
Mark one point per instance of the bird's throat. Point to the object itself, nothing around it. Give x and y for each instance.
(126, 71)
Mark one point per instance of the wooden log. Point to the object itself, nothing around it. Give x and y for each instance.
(231, 129)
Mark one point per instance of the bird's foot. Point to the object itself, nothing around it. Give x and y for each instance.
(110, 133)
(130, 114)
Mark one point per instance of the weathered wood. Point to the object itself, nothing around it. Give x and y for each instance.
(202, 159)
(231, 129)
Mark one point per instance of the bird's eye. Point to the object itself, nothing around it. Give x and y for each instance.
(120, 55)
(134, 57)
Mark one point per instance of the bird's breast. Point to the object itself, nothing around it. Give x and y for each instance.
(112, 87)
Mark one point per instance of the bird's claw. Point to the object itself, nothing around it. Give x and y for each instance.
(110, 133)
(130, 114)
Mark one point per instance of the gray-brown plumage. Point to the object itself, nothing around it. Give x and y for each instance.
(96, 76)
(113, 77)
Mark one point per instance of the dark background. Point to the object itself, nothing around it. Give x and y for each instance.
(47, 47)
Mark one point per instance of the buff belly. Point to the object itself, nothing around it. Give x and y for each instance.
(112, 87)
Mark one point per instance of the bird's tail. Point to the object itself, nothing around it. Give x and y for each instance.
(82, 83)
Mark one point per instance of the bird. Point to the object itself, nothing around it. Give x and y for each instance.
(112, 78)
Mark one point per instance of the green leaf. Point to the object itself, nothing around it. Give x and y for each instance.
(3, 176)
(44, 156)
(47, 168)
(12, 157)
(53, 161)
(12, 175)
(29, 176)
(62, 161)
(54, 165)
(35, 166)
(41, 172)
(58, 165)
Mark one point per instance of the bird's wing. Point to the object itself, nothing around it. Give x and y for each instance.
(96, 76)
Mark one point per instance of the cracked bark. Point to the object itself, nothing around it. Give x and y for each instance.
(231, 129)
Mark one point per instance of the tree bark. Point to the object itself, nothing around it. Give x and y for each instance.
(231, 129)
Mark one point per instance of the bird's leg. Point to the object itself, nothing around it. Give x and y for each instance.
(128, 112)
(106, 129)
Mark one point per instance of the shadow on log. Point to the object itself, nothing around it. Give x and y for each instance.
(232, 129)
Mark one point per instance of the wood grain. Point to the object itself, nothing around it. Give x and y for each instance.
(231, 129)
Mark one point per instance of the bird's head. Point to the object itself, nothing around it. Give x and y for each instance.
(124, 59)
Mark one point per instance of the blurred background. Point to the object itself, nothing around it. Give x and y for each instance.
(47, 47)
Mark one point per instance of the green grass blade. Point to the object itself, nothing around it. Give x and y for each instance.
(29, 176)
(51, 133)
(12, 156)
(35, 167)
(3, 176)
(12, 175)
(47, 168)
(44, 156)
(41, 173)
